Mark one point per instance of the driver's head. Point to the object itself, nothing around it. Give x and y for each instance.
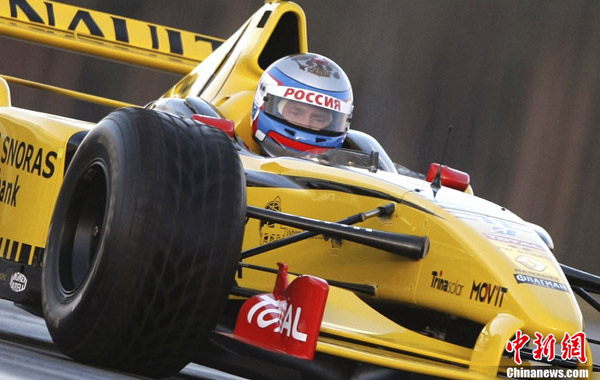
(303, 102)
(305, 115)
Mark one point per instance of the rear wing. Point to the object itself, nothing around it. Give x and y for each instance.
(217, 70)
(104, 35)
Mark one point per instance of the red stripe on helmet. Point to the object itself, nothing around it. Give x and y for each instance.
(295, 144)
(275, 79)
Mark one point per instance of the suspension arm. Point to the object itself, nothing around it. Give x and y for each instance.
(413, 247)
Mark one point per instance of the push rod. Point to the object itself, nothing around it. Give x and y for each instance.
(413, 247)
(386, 210)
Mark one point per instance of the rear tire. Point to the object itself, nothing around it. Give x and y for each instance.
(144, 242)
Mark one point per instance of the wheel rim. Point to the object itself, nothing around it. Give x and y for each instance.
(84, 225)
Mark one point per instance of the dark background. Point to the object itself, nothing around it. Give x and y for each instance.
(518, 79)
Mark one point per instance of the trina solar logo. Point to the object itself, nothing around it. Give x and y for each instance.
(439, 283)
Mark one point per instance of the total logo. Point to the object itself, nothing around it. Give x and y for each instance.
(439, 283)
(287, 320)
(279, 313)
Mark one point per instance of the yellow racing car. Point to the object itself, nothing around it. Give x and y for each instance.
(161, 235)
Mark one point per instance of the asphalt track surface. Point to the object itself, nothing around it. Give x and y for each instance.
(27, 353)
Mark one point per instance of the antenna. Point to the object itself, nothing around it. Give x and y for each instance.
(436, 184)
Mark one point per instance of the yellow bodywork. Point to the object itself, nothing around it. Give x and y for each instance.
(484, 264)
(32, 162)
(101, 34)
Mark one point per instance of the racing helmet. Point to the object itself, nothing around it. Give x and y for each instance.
(303, 103)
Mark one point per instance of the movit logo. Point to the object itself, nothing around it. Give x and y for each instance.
(488, 293)
(439, 283)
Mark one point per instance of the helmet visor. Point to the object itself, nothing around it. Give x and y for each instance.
(310, 110)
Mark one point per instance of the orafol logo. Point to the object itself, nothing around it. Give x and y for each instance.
(439, 283)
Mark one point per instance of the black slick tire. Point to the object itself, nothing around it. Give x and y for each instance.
(144, 242)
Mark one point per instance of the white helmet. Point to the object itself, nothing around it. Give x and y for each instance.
(303, 102)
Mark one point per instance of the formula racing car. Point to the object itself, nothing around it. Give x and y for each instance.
(161, 235)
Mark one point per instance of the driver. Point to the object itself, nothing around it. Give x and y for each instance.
(303, 103)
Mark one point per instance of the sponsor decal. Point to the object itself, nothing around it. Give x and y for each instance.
(24, 156)
(287, 320)
(279, 313)
(9, 190)
(530, 263)
(64, 17)
(270, 231)
(441, 284)
(503, 226)
(18, 282)
(504, 231)
(525, 279)
(536, 274)
(513, 241)
(485, 292)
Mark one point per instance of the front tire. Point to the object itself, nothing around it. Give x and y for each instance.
(144, 242)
